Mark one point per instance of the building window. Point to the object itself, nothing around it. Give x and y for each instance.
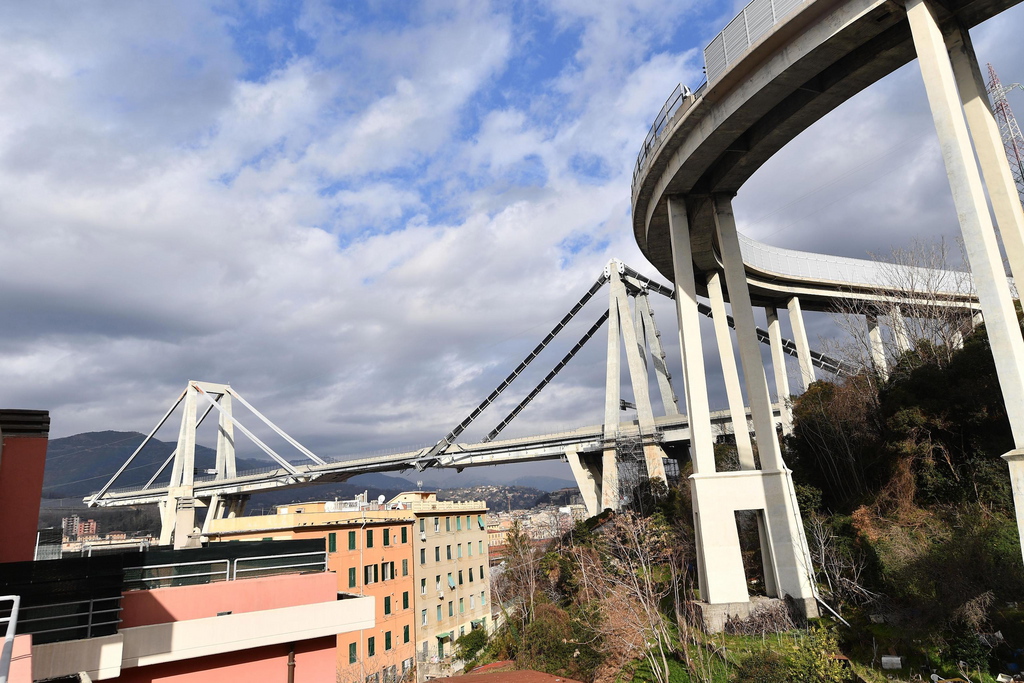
(438, 577)
(458, 523)
(387, 537)
(423, 525)
(351, 540)
(371, 647)
(471, 575)
(405, 600)
(481, 572)
(437, 553)
(405, 567)
(447, 523)
(461, 609)
(387, 604)
(449, 550)
(467, 522)
(387, 640)
(353, 655)
(451, 608)
(460, 577)
(472, 601)
(480, 521)
(423, 586)
(369, 538)
(373, 678)
(405, 534)
(481, 548)
(439, 612)
(483, 598)
(460, 550)
(423, 617)
(370, 574)
(332, 543)
(405, 638)
(423, 555)
(351, 577)
(451, 581)
(469, 548)
(437, 524)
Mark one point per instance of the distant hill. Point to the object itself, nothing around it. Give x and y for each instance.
(79, 465)
(498, 497)
(548, 484)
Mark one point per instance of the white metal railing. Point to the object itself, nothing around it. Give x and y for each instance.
(167, 575)
(11, 620)
(744, 30)
(80, 617)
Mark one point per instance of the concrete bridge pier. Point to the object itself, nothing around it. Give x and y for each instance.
(718, 496)
(779, 369)
(953, 84)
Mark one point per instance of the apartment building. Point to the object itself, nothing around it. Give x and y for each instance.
(369, 547)
(451, 574)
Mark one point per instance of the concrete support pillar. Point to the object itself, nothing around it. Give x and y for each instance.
(639, 379)
(702, 440)
(803, 348)
(609, 467)
(588, 480)
(733, 391)
(746, 335)
(876, 347)
(976, 227)
(792, 566)
(225, 440)
(899, 330)
(668, 394)
(779, 368)
(988, 143)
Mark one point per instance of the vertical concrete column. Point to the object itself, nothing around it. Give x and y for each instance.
(613, 375)
(729, 372)
(803, 348)
(899, 330)
(668, 394)
(779, 368)
(876, 347)
(225, 440)
(988, 143)
(746, 335)
(702, 440)
(639, 380)
(976, 227)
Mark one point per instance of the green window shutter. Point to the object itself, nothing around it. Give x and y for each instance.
(387, 604)
(405, 567)
(387, 640)
(369, 538)
(387, 537)
(351, 577)
(351, 540)
(352, 655)
(405, 600)
(458, 523)
(332, 543)
(371, 648)
(447, 523)
(461, 610)
(405, 633)
(423, 525)
(439, 612)
(405, 534)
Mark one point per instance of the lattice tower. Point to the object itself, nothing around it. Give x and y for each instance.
(1008, 128)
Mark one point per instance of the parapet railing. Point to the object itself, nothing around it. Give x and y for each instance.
(744, 30)
(148, 577)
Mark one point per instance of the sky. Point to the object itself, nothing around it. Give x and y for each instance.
(362, 215)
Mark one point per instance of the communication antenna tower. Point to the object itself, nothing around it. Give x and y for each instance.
(1013, 141)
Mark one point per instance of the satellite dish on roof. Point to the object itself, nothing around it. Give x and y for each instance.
(380, 499)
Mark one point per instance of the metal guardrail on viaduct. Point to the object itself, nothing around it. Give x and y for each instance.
(776, 69)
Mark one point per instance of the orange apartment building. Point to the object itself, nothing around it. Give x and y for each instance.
(369, 547)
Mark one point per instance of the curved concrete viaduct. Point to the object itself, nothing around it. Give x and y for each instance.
(774, 70)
